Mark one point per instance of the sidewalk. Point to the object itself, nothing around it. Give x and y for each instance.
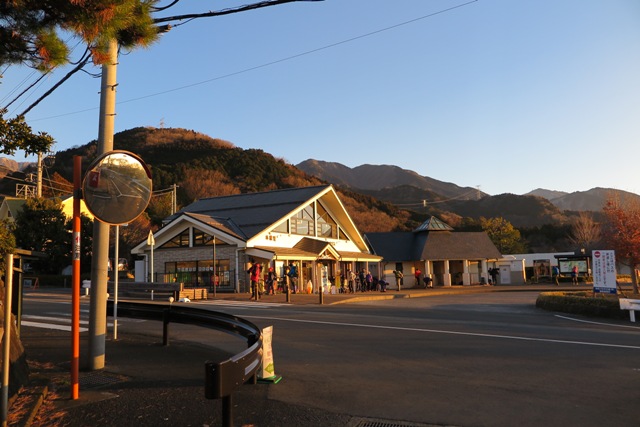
(146, 384)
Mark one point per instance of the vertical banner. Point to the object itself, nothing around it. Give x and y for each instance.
(267, 373)
(268, 369)
(604, 271)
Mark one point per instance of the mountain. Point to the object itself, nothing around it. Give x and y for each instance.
(7, 166)
(379, 198)
(374, 178)
(590, 200)
(202, 166)
(546, 194)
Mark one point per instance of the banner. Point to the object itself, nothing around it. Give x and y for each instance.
(268, 370)
(604, 271)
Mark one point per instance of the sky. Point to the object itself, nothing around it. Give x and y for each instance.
(502, 95)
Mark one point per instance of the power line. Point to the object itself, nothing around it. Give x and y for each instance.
(424, 202)
(267, 64)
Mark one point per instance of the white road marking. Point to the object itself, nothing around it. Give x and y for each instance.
(51, 326)
(436, 331)
(597, 323)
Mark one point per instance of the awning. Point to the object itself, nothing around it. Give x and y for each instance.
(310, 253)
(260, 253)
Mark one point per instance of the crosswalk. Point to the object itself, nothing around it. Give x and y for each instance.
(62, 321)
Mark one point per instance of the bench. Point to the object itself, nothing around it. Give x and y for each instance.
(631, 305)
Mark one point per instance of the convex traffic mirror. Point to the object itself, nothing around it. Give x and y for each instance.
(117, 187)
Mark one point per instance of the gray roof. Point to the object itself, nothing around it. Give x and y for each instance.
(223, 224)
(253, 212)
(396, 246)
(432, 224)
(463, 245)
(434, 245)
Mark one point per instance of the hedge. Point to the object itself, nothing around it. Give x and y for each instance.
(583, 303)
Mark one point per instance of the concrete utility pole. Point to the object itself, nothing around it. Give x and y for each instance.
(98, 301)
(39, 177)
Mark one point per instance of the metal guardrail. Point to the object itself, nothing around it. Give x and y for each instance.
(222, 379)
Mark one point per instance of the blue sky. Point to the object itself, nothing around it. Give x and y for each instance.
(506, 95)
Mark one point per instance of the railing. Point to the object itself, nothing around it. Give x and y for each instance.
(222, 379)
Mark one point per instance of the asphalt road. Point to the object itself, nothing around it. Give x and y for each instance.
(466, 360)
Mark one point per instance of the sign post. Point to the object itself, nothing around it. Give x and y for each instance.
(151, 242)
(604, 271)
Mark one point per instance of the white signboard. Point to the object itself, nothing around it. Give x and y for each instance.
(604, 271)
(268, 370)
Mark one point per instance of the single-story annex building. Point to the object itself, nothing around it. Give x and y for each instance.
(447, 257)
(308, 226)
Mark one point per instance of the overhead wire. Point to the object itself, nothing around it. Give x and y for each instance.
(267, 64)
(425, 203)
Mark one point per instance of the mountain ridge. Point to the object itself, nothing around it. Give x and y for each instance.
(365, 178)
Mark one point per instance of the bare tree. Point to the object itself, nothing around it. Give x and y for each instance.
(586, 233)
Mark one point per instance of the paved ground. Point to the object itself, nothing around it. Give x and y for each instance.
(146, 384)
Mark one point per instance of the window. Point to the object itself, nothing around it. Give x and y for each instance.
(283, 227)
(179, 241)
(326, 225)
(302, 222)
(200, 238)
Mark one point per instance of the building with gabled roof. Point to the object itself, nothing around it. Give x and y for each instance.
(10, 206)
(437, 251)
(308, 226)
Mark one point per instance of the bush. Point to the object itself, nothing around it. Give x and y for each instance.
(583, 303)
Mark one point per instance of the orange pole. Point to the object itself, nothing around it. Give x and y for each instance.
(75, 288)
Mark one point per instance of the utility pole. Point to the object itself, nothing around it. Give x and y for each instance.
(39, 177)
(98, 301)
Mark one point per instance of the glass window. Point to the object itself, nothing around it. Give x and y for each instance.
(302, 222)
(200, 238)
(326, 224)
(282, 228)
(179, 241)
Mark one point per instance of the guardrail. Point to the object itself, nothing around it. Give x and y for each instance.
(222, 379)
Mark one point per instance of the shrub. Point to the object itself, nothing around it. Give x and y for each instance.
(583, 303)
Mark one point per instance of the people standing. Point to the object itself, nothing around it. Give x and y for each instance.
(293, 277)
(254, 275)
(417, 275)
(555, 271)
(363, 282)
(272, 279)
(352, 280)
(369, 278)
(398, 274)
(494, 275)
(574, 275)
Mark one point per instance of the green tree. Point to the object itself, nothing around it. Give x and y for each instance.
(504, 235)
(7, 241)
(33, 31)
(15, 134)
(41, 226)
